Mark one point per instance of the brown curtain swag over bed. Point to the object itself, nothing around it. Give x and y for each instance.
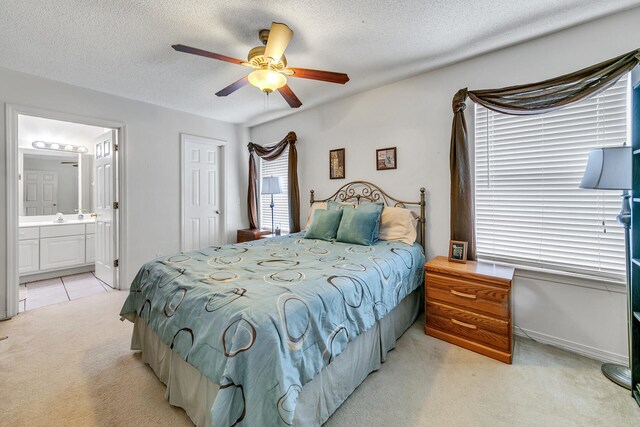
(272, 153)
(529, 99)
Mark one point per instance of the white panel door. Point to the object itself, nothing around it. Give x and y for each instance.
(40, 192)
(105, 194)
(201, 194)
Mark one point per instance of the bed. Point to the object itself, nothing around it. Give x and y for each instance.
(278, 331)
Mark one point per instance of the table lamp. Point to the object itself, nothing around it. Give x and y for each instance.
(271, 185)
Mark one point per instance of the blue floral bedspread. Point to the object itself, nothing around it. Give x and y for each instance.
(263, 318)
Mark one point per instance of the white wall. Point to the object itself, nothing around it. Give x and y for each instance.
(415, 116)
(152, 152)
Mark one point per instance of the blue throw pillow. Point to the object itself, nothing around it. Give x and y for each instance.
(324, 224)
(358, 226)
(373, 207)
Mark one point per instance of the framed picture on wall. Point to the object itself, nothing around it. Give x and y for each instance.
(386, 159)
(336, 164)
(457, 251)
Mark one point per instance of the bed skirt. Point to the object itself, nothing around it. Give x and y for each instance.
(195, 393)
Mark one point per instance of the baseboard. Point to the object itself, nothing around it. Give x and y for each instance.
(57, 273)
(584, 350)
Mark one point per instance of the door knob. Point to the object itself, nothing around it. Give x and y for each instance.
(217, 212)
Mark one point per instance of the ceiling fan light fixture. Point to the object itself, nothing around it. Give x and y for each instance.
(267, 80)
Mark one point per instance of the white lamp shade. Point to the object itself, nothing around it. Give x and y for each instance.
(608, 169)
(267, 80)
(271, 185)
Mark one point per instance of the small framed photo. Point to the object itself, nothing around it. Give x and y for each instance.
(457, 251)
(336, 164)
(386, 159)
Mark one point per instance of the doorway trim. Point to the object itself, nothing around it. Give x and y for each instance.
(12, 111)
(184, 138)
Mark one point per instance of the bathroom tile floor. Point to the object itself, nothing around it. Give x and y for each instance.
(52, 291)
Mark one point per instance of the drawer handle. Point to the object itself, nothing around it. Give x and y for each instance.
(463, 324)
(462, 294)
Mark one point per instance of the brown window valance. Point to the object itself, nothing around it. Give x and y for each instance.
(528, 99)
(271, 153)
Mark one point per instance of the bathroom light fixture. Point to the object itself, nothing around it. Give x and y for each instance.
(54, 146)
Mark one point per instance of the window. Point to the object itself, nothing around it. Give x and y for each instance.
(278, 167)
(529, 209)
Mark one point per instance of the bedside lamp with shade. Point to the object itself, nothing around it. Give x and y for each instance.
(271, 185)
(609, 168)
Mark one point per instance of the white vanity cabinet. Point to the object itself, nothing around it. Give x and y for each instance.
(28, 250)
(48, 248)
(90, 244)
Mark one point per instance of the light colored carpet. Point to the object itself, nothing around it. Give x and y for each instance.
(70, 364)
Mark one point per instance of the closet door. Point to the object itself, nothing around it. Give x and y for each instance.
(201, 193)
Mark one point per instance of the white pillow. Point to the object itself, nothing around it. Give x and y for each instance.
(314, 206)
(398, 224)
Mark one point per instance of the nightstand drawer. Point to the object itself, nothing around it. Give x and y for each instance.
(481, 321)
(482, 329)
(465, 294)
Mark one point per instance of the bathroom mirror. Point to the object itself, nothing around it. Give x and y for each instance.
(52, 182)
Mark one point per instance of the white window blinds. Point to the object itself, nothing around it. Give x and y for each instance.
(278, 167)
(529, 209)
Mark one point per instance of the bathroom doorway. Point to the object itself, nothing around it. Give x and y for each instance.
(65, 208)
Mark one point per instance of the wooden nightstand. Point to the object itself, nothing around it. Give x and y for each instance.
(470, 305)
(269, 235)
(250, 234)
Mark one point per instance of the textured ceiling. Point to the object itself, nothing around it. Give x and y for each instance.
(123, 47)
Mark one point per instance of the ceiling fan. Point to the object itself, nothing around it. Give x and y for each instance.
(269, 65)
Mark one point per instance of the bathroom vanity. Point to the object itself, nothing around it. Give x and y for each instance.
(47, 246)
(55, 181)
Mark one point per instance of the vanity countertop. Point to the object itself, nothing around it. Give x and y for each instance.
(89, 220)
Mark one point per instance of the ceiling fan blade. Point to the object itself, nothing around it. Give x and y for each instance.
(279, 37)
(325, 76)
(289, 96)
(233, 87)
(206, 54)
